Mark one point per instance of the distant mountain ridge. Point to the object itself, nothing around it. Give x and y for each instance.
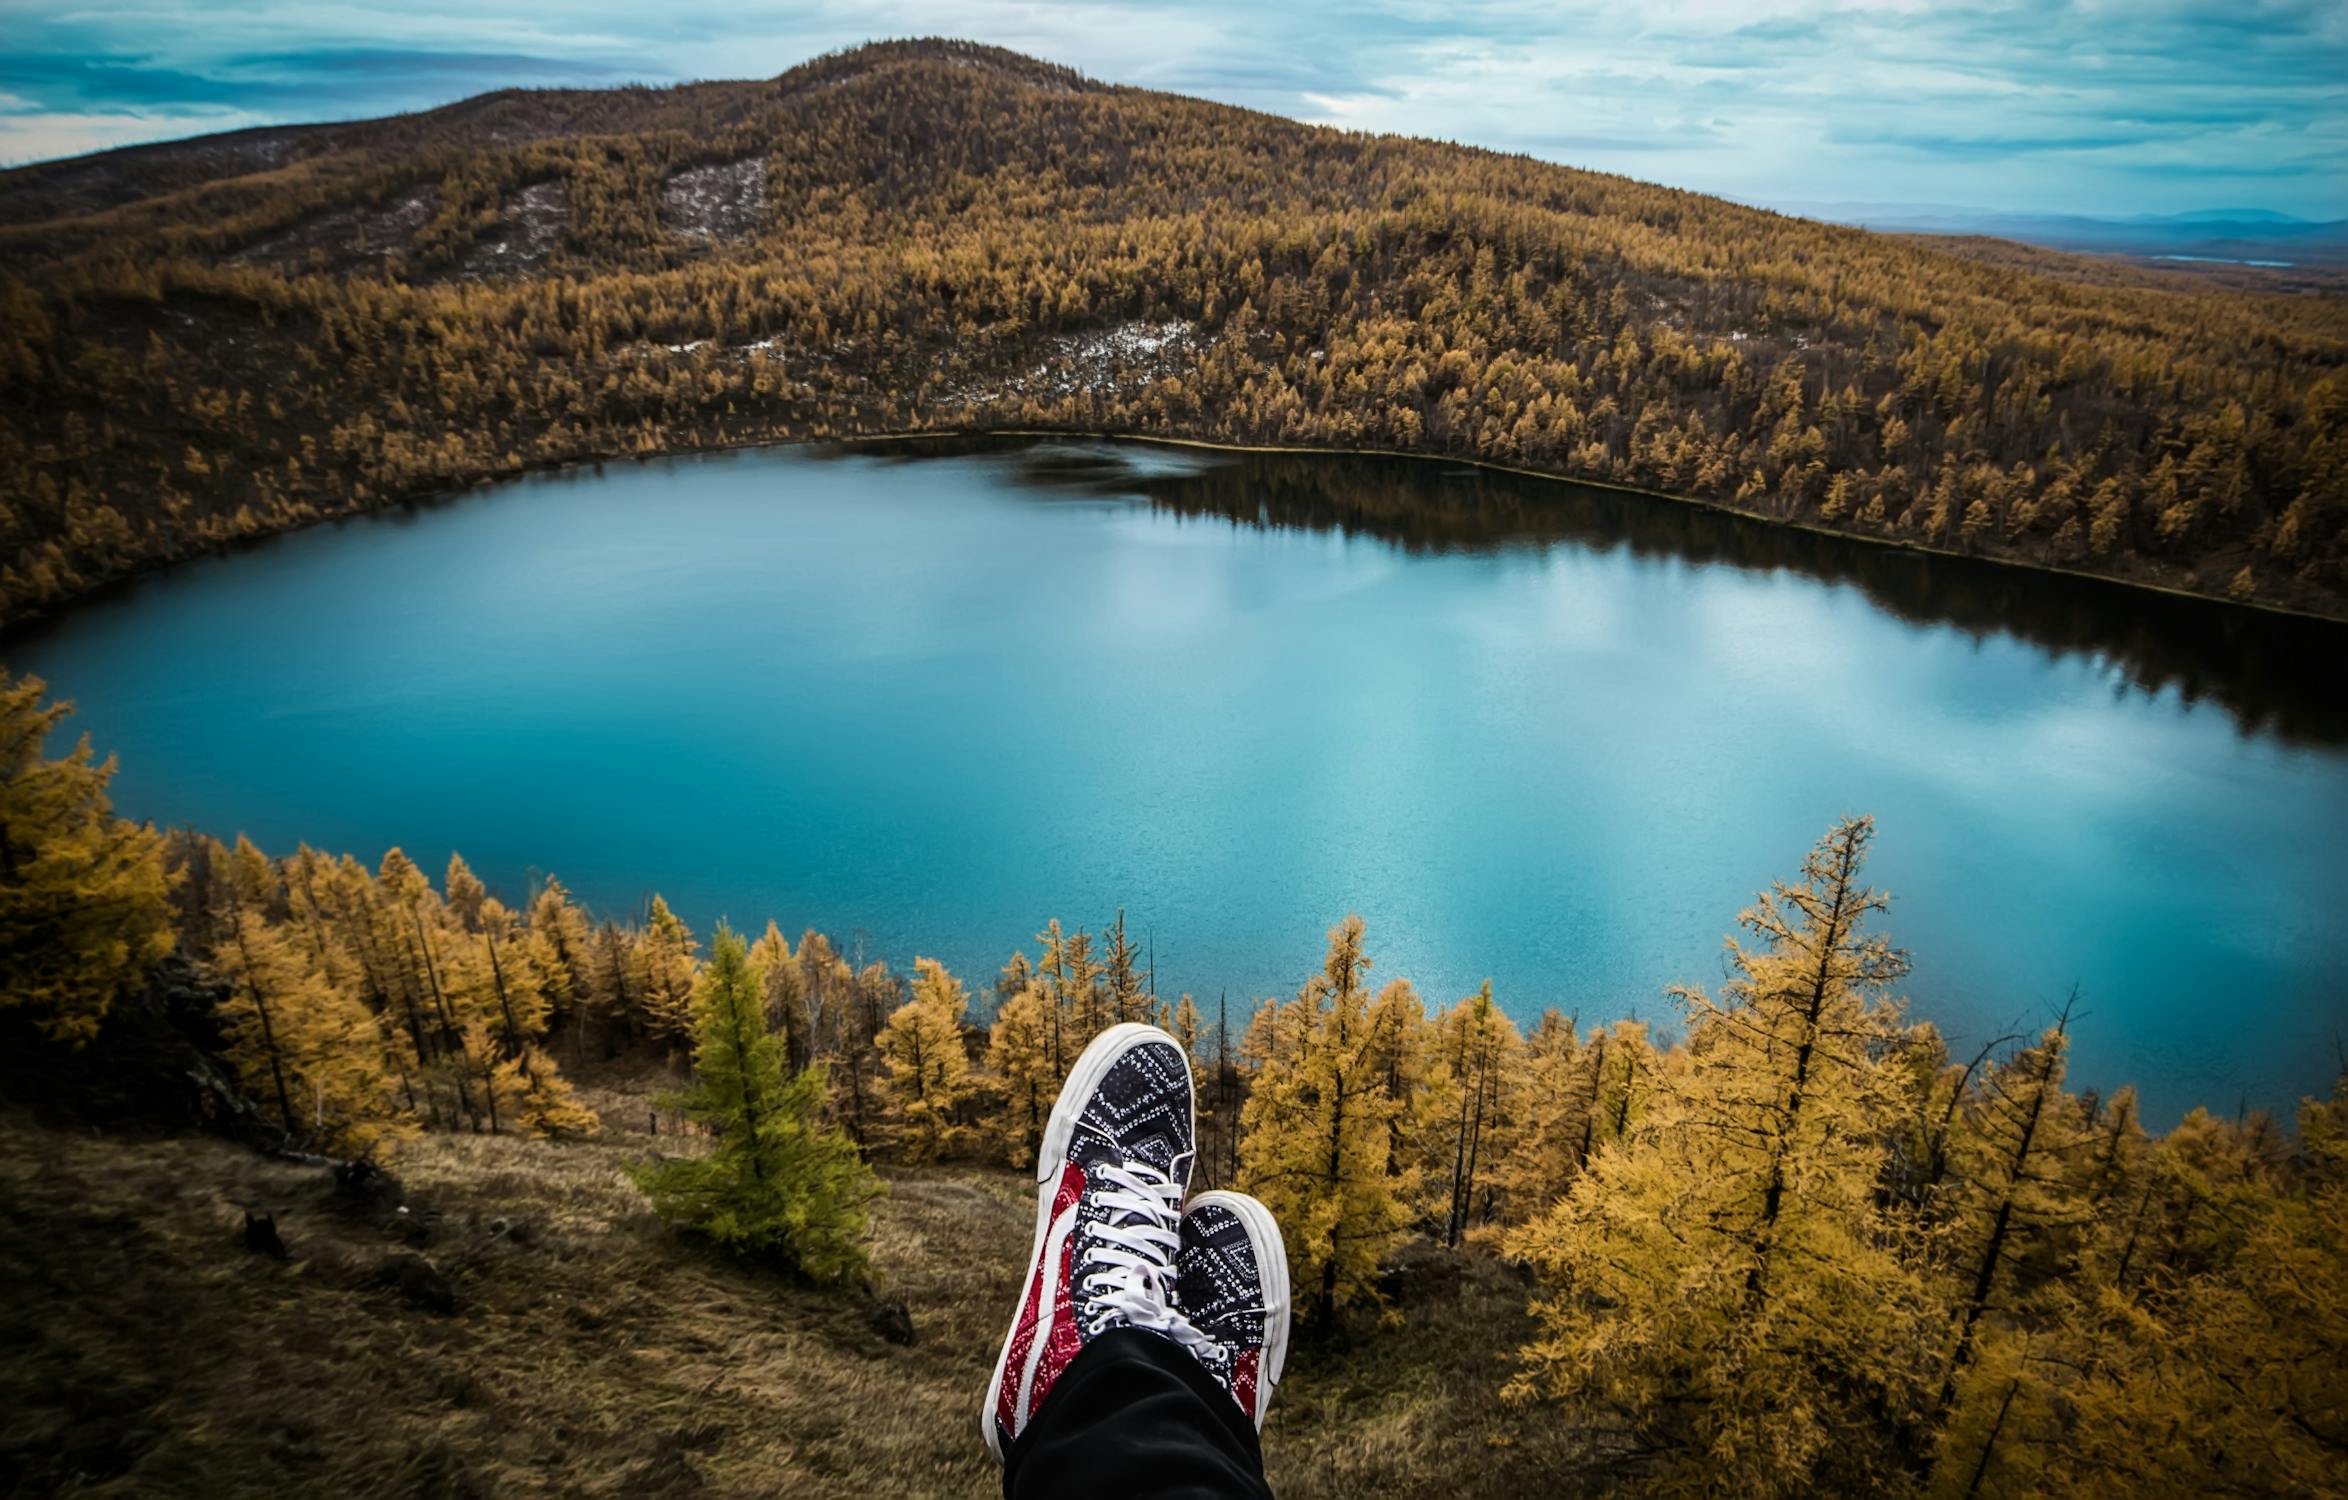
(2242, 234)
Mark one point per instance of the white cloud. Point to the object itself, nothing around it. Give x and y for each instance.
(2062, 104)
(42, 136)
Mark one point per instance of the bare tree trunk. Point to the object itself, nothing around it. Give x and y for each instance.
(236, 916)
(1989, 1444)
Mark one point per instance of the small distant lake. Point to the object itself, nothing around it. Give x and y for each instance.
(928, 697)
(2224, 260)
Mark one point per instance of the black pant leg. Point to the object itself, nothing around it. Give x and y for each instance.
(1134, 1417)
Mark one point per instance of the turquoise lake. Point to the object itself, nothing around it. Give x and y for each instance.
(927, 698)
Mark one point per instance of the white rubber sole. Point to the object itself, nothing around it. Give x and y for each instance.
(1272, 1265)
(1095, 1061)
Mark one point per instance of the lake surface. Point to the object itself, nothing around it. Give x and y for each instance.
(1556, 736)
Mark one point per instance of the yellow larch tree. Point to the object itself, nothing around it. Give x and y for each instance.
(1398, 1049)
(926, 1066)
(1052, 994)
(826, 979)
(82, 914)
(306, 1048)
(786, 996)
(1624, 1070)
(1188, 1028)
(372, 930)
(410, 915)
(1723, 1290)
(2011, 1193)
(664, 957)
(1539, 1147)
(1182, 1023)
(2216, 1368)
(1124, 982)
(1019, 1056)
(1084, 992)
(1476, 1045)
(562, 948)
(477, 994)
(1318, 1127)
(539, 1100)
(873, 995)
(462, 893)
(1016, 975)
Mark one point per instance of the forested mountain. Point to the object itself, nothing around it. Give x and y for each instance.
(234, 335)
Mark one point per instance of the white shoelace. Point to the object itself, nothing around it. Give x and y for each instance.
(1129, 1266)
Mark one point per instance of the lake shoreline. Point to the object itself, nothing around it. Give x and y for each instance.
(1584, 797)
(31, 623)
(1495, 467)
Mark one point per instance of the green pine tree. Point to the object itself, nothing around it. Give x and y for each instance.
(777, 1181)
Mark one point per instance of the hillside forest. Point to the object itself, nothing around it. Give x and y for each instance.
(1795, 1245)
(226, 337)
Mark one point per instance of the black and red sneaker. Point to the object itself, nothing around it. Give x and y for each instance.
(1231, 1281)
(1110, 1184)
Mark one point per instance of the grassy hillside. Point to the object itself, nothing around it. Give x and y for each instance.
(234, 335)
(584, 1350)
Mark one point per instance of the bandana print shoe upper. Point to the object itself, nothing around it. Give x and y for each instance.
(1110, 1183)
(1231, 1281)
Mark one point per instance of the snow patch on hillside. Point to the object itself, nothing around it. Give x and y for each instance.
(529, 226)
(730, 353)
(1127, 357)
(723, 201)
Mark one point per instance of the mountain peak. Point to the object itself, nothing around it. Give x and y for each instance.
(836, 68)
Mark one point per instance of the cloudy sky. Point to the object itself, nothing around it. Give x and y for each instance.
(2096, 106)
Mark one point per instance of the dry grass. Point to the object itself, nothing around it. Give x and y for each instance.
(148, 1351)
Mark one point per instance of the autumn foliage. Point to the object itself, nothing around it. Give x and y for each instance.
(1802, 1248)
(203, 344)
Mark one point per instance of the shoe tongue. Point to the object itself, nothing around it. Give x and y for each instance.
(1155, 1151)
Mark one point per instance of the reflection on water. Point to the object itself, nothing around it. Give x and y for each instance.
(1549, 736)
(2277, 674)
